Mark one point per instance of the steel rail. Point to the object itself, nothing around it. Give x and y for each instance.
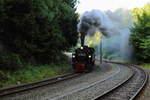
(119, 84)
(125, 82)
(144, 83)
(28, 86)
(86, 87)
(32, 85)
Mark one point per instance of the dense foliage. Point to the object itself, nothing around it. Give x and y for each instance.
(140, 37)
(31, 74)
(36, 31)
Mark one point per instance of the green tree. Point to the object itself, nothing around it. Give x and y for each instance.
(140, 37)
(68, 25)
(37, 31)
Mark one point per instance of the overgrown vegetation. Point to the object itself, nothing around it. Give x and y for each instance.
(140, 37)
(36, 31)
(147, 66)
(31, 74)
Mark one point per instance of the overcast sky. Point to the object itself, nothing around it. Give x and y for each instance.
(86, 5)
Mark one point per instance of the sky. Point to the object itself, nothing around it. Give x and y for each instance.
(87, 5)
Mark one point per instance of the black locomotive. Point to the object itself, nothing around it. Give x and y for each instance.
(83, 59)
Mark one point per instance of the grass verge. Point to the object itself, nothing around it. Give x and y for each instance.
(147, 66)
(31, 74)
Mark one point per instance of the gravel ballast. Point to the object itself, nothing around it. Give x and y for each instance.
(145, 93)
(73, 85)
(100, 87)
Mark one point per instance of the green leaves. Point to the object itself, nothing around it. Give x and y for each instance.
(38, 30)
(141, 33)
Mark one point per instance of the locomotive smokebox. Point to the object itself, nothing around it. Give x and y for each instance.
(82, 37)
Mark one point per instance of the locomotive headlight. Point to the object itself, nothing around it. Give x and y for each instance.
(81, 47)
(73, 56)
(89, 56)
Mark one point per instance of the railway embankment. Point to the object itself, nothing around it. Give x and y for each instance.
(83, 87)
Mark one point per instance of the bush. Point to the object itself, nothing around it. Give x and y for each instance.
(31, 74)
(10, 62)
(140, 37)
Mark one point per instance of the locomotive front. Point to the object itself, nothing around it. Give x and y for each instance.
(84, 58)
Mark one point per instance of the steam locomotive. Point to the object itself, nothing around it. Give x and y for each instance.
(83, 59)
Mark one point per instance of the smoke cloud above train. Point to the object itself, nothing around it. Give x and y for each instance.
(95, 20)
(114, 28)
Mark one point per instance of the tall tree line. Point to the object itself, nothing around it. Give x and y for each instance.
(140, 37)
(36, 31)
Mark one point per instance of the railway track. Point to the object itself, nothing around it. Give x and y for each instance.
(125, 90)
(129, 89)
(29, 86)
(87, 92)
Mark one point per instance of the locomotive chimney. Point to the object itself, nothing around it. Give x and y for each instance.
(82, 39)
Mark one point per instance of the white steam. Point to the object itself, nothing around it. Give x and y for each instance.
(110, 24)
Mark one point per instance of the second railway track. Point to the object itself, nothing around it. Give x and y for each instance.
(32, 85)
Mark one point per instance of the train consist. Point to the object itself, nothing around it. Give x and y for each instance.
(83, 59)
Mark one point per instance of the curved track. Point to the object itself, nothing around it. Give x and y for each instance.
(87, 92)
(130, 88)
(85, 87)
(126, 89)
